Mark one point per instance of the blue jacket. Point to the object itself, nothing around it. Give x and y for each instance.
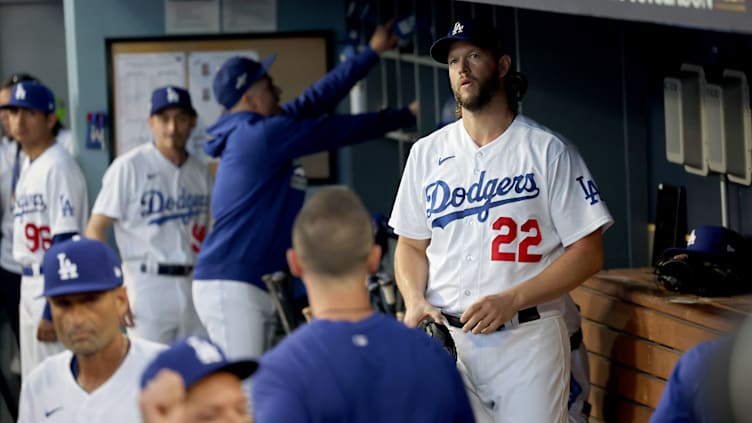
(259, 188)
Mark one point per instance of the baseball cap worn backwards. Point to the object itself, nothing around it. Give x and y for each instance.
(170, 96)
(31, 95)
(195, 358)
(236, 75)
(80, 265)
(470, 30)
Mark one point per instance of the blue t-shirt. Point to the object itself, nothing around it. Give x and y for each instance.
(697, 390)
(259, 188)
(373, 370)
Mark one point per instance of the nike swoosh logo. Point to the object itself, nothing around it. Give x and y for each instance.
(150, 175)
(53, 411)
(443, 159)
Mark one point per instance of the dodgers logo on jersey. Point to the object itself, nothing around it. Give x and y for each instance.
(440, 197)
(29, 203)
(591, 191)
(68, 270)
(159, 208)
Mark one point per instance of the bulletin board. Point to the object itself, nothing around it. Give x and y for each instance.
(136, 66)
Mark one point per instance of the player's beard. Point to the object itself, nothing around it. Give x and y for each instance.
(486, 91)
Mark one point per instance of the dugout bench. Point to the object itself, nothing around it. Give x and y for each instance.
(635, 332)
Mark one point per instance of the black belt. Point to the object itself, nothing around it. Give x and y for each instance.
(523, 316)
(171, 269)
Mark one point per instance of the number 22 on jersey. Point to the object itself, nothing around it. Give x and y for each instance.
(502, 246)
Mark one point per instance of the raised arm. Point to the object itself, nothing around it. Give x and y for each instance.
(322, 97)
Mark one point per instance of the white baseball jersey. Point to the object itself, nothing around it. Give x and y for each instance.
(50, 199)
(161, 210)
(51, 394)
(496, 215)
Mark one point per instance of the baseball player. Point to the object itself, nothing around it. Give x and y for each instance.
(498, 218)
(260, 186)
(351, 364)
(157, 197)
(50, 206)
(192, 382)
(11, 158)
(579, 384)
(97, 379)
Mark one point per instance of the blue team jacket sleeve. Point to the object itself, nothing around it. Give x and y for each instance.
(323, 95)
(288, 139)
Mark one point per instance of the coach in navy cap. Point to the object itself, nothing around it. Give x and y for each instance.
(96, 380)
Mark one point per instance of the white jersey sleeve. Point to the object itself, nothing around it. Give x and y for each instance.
(68, 208)
(577, 207)
(408, 213)
(112, 199)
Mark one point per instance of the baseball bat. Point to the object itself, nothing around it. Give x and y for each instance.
(272, 281)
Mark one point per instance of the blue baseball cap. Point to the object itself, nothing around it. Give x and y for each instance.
(80, 265)
(31, 95)
(236, 75)
(472, 31)
(170, 96)
(195, 358)
(713, 242)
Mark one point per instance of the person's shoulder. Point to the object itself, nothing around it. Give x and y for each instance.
(145, 347)
(539, 132)
(424, 147)
(291, 344)
(49, 370)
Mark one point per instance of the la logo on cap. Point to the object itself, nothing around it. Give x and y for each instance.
(205, 352)
(172, 95)
(68, 269)
(458, 28)
(20, 92)
(241, 80)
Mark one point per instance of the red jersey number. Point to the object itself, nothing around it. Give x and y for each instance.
(509, 228)
(37, 237)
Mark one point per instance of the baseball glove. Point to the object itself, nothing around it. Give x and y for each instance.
(441, 334)
(695, 275)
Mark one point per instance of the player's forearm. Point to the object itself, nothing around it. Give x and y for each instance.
(410, 271)
(98, 226)
(581, 260)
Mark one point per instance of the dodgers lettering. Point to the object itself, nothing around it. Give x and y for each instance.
(164, 208)
(29, 203)
(440, 196)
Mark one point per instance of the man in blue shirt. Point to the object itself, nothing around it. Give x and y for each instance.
(350, 364)
(259, 186)
(698, 389)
